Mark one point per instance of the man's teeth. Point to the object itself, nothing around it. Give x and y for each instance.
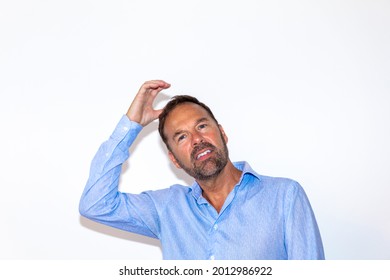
(203, 154)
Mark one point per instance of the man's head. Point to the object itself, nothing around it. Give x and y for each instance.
(195, 140)
(171, 105)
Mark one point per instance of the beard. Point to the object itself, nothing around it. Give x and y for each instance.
(209, 168)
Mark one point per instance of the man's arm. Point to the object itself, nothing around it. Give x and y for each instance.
(101, 201)
(302, 236)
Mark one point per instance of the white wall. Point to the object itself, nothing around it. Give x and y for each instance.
(301, 87)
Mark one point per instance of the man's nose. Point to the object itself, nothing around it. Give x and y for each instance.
(196, 138)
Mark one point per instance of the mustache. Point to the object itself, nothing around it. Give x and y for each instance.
(199, 147)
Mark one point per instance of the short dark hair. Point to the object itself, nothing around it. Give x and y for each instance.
(172, 104)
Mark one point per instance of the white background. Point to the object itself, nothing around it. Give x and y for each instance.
(302, 89)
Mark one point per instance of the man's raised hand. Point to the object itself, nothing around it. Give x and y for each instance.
(141, 109)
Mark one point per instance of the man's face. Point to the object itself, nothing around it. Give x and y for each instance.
(196, 142)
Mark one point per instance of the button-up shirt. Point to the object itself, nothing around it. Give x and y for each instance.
(262, 217)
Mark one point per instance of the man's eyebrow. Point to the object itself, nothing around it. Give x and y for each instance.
(204, 119)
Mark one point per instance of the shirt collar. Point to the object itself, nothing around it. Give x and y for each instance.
(240, 165)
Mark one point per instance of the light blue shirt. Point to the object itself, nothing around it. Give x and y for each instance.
(262, 218)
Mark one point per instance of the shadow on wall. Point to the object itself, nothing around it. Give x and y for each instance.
(107, 230)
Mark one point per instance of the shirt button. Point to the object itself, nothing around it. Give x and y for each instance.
(212, 257)
(215, 227)
(125, 128)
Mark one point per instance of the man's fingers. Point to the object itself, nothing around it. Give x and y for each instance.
(155, 84)
(150, 89)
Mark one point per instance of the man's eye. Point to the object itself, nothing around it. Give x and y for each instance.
(181, 137)
(201, 126)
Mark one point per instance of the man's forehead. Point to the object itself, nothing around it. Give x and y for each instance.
(186, 114)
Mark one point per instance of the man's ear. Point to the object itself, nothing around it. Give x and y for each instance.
(223, 133)
(173, 159)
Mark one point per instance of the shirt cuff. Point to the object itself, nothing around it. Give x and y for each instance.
(124, 127)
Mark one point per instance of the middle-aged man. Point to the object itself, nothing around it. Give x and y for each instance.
(230, 211)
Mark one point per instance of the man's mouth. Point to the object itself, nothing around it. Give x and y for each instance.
(203, 154)
(202, 151)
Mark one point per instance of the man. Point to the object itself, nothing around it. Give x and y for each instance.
(230, 212)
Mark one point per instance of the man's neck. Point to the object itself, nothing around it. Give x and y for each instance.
(217, 189)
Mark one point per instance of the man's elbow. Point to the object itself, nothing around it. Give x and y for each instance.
(85, 210)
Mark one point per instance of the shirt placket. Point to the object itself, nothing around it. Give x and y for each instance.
(215, 230)
(213, 235)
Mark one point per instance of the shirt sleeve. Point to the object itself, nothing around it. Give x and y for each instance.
(302, 236)
(102, 202)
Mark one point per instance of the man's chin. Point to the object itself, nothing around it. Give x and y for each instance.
(206, 166)
(206, 171)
